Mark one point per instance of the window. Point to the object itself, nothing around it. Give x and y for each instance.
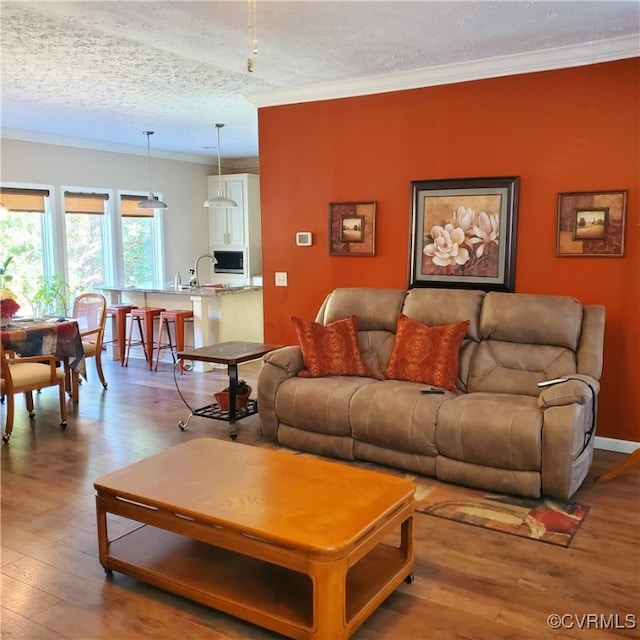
(142, 246)
(26, 232)
(87, 241)
(86, 228)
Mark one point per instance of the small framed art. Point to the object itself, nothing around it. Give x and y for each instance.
(591, 223)
(352, 229)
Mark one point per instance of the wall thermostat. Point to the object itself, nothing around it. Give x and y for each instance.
(304, 238)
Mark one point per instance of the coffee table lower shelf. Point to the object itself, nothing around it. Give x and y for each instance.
(260, 592)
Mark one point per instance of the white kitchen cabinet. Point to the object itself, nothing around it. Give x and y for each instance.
(237, 228)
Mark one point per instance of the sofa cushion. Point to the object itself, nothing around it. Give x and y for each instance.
(394, 415)
(376, 347)
(532, 319)
(377, 308)
(525, 339)
(491, 429)
(445, 306)
(319, 405)
(509, 367)
(330, 350)
(426, 354)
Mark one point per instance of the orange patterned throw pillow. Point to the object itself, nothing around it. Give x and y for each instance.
(330, 350)
(426, 354)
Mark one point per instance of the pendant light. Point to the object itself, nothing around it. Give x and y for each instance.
(151, 202)
(220, 200)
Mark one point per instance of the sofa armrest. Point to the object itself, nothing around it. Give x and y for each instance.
(289, 359)
(568, 432)
(277, 366)
(577, 389)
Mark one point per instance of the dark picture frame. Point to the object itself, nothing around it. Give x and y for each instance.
(463, 233)
(352, 229)
(591, 224)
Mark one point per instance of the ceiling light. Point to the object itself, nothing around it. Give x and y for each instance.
(152, 202)
(220, 200)
(253, 36)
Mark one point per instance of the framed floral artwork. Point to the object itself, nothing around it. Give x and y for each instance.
(591, 223)
(352, 229)
(463, 233)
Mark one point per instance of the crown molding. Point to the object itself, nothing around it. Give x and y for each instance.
(110, 147)
(242, 165)
(558, 58)
(97, 145)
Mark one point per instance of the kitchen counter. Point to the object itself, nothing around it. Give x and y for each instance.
(219, 313)
(205, 290)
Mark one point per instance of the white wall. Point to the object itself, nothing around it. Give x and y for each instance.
(183, 186)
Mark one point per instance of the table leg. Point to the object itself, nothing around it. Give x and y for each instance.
(75, 387)
(232, 370)
(329, 599)
(179, 329)
(103, 538)
(71, 381)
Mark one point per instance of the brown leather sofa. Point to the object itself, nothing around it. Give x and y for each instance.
(498, 431)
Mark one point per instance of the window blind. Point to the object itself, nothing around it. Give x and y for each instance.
(128, 207)
(23, 200)
(88, 203)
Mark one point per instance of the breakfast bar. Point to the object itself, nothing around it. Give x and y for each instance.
(220, 313)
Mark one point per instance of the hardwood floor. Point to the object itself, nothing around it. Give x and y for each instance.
(469, 583)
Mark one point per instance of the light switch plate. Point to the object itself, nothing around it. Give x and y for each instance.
(281, 278)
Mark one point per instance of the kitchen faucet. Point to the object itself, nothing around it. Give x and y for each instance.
(193, 273)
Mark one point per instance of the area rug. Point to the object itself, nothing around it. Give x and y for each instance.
(545, 520)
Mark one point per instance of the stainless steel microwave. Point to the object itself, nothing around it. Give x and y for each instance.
(228, 262)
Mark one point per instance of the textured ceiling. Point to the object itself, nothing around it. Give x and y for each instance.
(106, 71)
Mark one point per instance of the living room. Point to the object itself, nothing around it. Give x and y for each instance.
(560, 131)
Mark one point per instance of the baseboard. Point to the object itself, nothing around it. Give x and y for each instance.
(620, 446)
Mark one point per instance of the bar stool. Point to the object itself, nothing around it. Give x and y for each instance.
(178, 317)
(120, 311)
(148, 314)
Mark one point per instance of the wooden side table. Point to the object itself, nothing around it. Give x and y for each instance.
(231, 353)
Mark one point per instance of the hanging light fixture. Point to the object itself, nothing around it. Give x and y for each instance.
(151, 202)
(253, 36)
(220, 200)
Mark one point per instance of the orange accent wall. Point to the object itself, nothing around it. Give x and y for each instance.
(566, 130)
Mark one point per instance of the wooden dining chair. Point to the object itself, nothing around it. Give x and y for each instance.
(25, 375)
(90, 312)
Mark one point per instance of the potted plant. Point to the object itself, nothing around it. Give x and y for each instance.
(52, 295)
(243, 391)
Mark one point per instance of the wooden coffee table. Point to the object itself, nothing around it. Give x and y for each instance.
(307, 548)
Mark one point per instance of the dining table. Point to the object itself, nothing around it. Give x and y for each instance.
(54, 336)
